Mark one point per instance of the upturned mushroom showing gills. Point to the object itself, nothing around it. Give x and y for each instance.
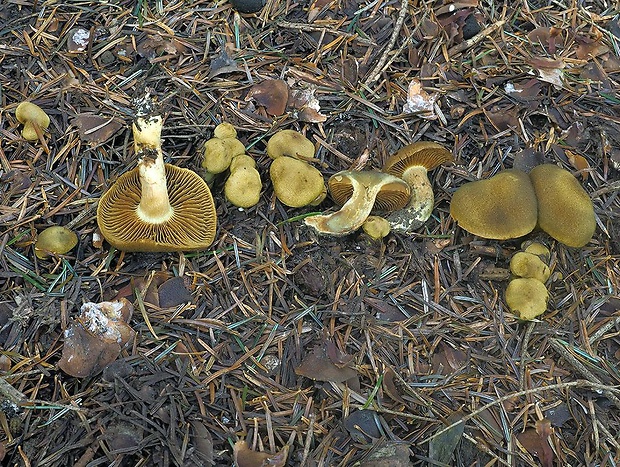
(157, 207)
(412, 164)
(359, 192)
(502, 207)
(565, 210)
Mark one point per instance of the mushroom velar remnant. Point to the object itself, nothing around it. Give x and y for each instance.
(157, 207)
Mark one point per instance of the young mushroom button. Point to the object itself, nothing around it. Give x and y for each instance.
(359, 193)
(157, 207)
(412, 164)
(33, 117)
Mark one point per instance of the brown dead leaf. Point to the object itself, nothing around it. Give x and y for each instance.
(447, 360)
(173, 293)
(389, 386)
(590, 46)
(96, 128)
(548, 37)
(503, 118)
(203, 441)
(337, 356)
(154, 45)
(78, 40)
(224, 63)
(579, 162)
(307, 105)
(524, 91)
(272, 94)
(363, 425)
(419, 101)
(318, 366)
(95, 339)
(537, 445)
(245, 457)
(527, 159)
(388, 455)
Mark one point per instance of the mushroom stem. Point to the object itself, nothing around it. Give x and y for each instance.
(420, 206)
(154, 204)
(351, 215)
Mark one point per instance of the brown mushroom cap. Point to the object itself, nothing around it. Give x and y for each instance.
(501, 207)
(295, 183)
(30, 115)
(290, 143)
(192, 225)
(527, 297)
(394, 193)
(423, 153)
(565, 210)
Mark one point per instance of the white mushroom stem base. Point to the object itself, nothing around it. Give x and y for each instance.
(420, 206)
(154, 204)
(351, 215)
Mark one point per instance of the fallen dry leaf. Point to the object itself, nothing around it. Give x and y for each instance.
(363, 425)
(419, 101)
(245, 457)
(318, 366)
(96, 129)
(272, 94)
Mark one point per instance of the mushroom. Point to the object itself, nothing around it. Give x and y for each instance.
(502, 207)
(376, 227)
(54, 240)
(296, 183)
(537, 249)
(412, 164)
(218, 153)
(526, 297)
(359, 192)
(243, 185)
(157, 207)
(565, 210)
(528, 265)
(225, 130)
(33, 117)
(290, 143)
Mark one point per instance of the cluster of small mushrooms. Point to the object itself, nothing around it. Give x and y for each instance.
(158, 207)
(526, 294)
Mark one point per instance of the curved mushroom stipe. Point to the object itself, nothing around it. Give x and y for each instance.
(365, 187)
(412, 163)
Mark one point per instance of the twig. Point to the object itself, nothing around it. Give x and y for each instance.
(469, 43)
(378, 69)
(551, 387)
(570, 358)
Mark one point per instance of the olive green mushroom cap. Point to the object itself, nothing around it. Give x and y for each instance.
(524, 264)
(191, 226)
(295, 183)
(219, 152)
(376, 227)
(244, 185)
(501, 207)
(30, 115)
(54, 240)
(527, 298)
(225, 130)
(290, 143)
(537, 249)
(565, 210)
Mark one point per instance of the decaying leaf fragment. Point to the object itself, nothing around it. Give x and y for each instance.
(536, 441)
(245, 457)
(96, 338)
(419, 101)
(272, 94)
(319, 366)
(96, 128)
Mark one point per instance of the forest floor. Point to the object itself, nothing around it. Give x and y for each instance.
(314, 350)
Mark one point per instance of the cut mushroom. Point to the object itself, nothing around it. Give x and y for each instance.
(359, 193)
(157, 207)
(412, 164)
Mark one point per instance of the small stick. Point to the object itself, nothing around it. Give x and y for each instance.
(378, 69)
